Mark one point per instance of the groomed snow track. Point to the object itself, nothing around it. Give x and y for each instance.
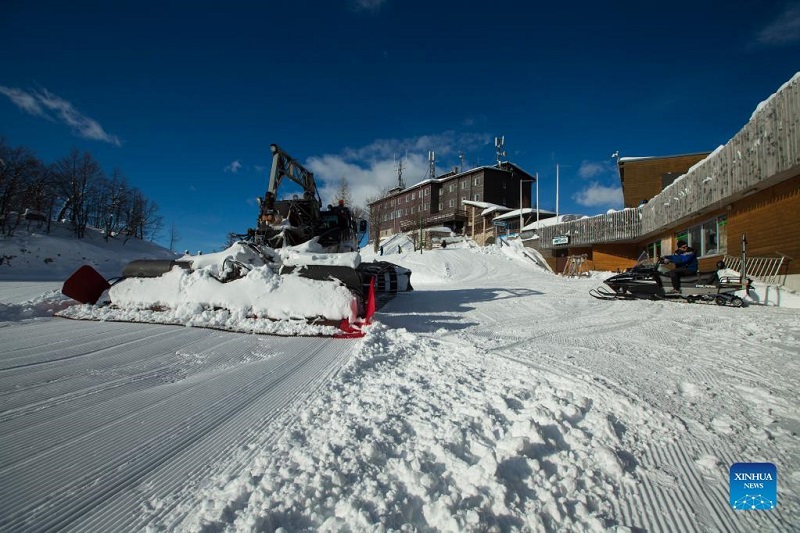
(154, 418)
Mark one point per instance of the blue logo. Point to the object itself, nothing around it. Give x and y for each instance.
(754, 486)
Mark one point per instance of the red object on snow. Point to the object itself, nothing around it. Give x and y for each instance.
(354, 331)
(85, 285)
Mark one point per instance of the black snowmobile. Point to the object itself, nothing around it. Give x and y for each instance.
(648, 280)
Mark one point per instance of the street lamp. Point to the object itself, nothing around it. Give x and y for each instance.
(520, 204)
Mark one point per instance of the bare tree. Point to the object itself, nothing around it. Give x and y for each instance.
(77, 177)
(343, 193)
(114, 195)
(20, 172)
(174, 236)
(374, 219)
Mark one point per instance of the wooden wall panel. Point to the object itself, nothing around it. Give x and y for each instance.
(641, 178)
(613, 257)
(771, 221)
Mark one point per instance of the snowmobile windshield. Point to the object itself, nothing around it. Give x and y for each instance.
(645, 261)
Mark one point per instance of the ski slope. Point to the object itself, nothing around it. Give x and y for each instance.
(494, 396)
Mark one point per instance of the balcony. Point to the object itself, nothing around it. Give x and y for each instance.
(436, 219)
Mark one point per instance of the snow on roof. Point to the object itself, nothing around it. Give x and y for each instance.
(633, 158)
(439, 229)
(488, 208)
(552, 221)
(525, 211)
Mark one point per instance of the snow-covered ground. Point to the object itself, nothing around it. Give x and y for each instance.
(496, 396)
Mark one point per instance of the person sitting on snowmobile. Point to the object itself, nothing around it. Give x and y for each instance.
(685, 261)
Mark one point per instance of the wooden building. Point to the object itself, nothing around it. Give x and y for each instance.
(744, 194)
(644, 177)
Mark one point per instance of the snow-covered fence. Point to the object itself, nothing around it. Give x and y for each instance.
(764, 151)
(612, 227)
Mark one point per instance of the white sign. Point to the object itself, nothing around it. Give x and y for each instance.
(562, 239)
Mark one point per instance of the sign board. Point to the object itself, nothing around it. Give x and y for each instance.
(560, 240)
(501, 223)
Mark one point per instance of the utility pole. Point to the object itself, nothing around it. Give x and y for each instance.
(520, 205)
(556, 192)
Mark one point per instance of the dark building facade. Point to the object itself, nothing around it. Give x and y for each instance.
(440, 201)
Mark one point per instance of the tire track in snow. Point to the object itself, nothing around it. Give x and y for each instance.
(75, 381)
(177, 429)
(668, 478)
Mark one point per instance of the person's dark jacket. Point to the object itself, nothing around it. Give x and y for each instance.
(687, 261)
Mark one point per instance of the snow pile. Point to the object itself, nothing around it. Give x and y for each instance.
(263, 301)
(395, 441)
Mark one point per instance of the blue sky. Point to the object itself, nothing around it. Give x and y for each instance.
(186, 97)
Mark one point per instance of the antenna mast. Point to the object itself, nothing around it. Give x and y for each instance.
(432, 163)
(400, 182)
(501, 153)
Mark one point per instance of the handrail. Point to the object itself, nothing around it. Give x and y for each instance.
(766, 269)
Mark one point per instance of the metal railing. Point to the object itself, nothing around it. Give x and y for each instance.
(767, 146)
(766, 269)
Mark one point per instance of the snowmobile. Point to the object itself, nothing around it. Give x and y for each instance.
(649, 280)
(298, 272)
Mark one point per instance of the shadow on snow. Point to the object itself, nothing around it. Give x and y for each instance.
(430, 310)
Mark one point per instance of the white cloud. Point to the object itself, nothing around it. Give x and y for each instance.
(234, 167)
(372, 168)
(52, 107)
(592, 169)
(597, 194)
(24, 101)
(783, 30)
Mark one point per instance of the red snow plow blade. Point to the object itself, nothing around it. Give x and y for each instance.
(86, 285)
(355, 331)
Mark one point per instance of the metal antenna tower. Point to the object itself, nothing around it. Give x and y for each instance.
(501, 153)
(399, 165)
(432, 163)
(461, 161)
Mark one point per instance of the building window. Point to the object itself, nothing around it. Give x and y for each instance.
(407, 198)
(708, 238)
(654, 249)
(412, 210)
(413, 196)
(425, 206)
(440, 206)
(476, 197)
(452, 187)
(451, 203)
(476, 181)
(464, 184)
